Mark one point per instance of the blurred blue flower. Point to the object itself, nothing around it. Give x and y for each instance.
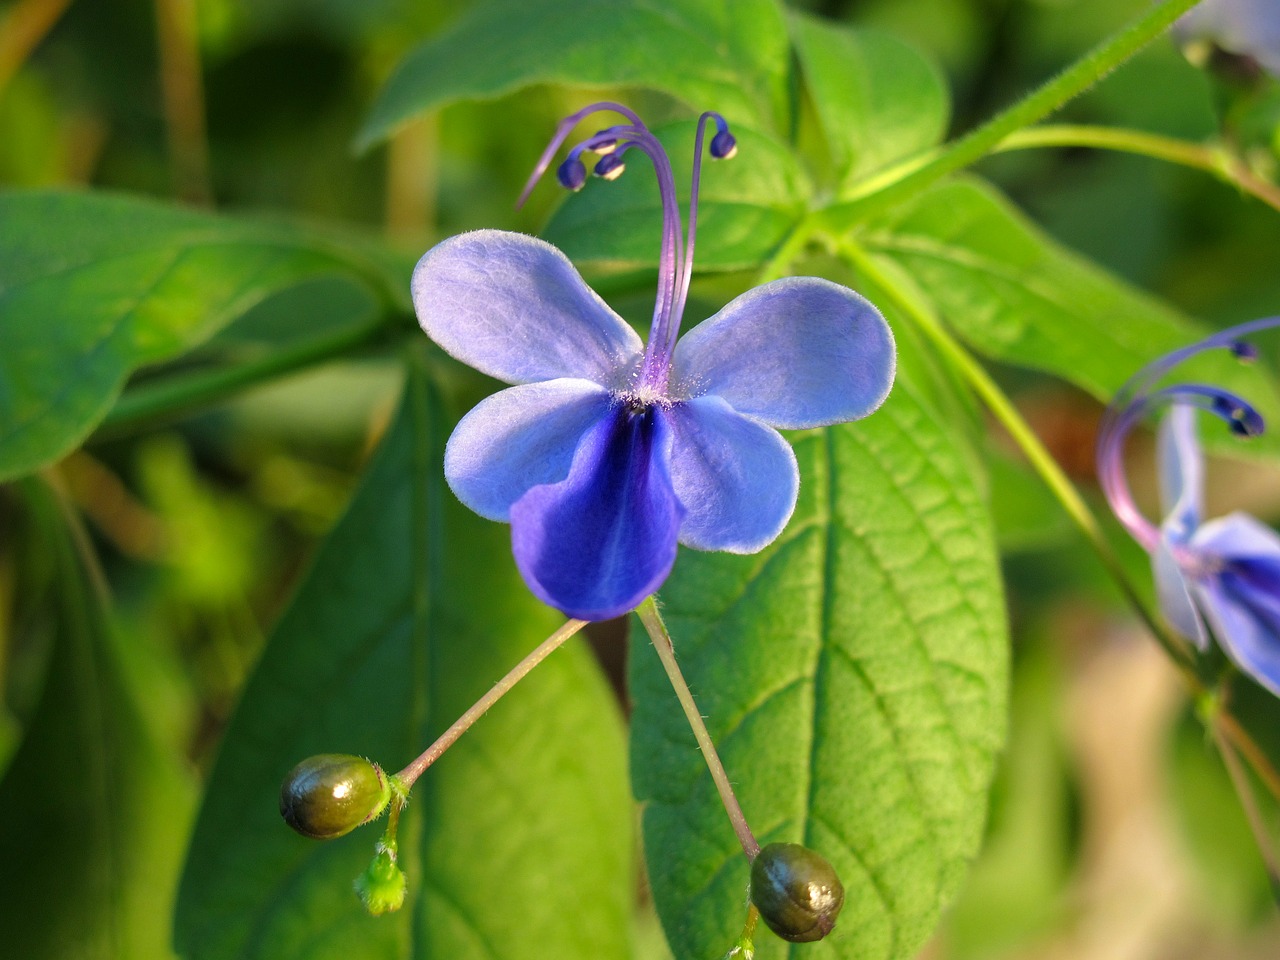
(1248, 28)
(1219, 577)
(608, 452)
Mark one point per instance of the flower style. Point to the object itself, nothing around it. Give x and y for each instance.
(1220, 577)
(1248, 28)
(608, 452)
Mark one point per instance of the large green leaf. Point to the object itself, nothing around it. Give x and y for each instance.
(1016, 295)
(94, 286)
(878, 98)
(94, 812)
(746, 207)
(725, 55)
(854, 678)
(517, 844)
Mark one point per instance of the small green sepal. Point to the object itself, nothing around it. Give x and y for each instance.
(331, 794)
(382, 886)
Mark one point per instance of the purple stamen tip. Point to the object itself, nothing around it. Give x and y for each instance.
(610, 166)
(572, 174)
(1244, 351)
(1243, 419)
(723, 145)
(603, 143)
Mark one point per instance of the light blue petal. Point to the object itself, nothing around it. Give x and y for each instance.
(1242, 600)
(513, 307)
(1236, 536)
(1250, 27)
(1175, 597)
(736, 478)
(601, 540)
(798, 352)
(1181, 473)
(519, 438)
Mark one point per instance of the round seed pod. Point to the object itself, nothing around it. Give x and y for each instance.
(796, 891)
(331, 794)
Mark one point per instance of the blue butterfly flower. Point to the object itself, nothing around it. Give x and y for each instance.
(1218, 577)
(608, 452)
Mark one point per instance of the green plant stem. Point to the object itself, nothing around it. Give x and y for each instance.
(1007, 415)
(181, 393)
(1248, 802)
(410, 774)
(915, 175)
(657, 629)
(1211, 158)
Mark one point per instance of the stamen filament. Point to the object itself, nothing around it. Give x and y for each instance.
(414, 770)
(563, 130)
(657, 629)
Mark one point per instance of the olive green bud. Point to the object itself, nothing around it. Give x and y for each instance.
(382, 886)
(331, 794)
(796, 891)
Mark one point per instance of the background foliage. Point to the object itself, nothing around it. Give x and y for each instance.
(225, 541)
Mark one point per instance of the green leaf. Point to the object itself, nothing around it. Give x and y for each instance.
(1015, 295)
(96, 286)
(725, 55)
(746, 207)
(94, 813)
(854, 678)
(517, 843)
(878, 98)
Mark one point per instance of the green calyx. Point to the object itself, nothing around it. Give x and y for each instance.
(331, 794)
(796, 891)
(382, 886)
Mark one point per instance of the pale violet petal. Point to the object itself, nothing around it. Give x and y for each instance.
(1241, 600)
(1181, 473)
(514, 307)
(798, 352)
(520, 438)
(737, 478)
(1246, 623)
(1174, 593)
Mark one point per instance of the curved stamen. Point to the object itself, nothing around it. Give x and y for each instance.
(723, 146)
(1240, 416)
(1230, 339)
(563, 130)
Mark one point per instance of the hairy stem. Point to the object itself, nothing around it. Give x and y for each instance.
(913, 176)
(410, 774)
(1211, 158)
(657, 629)
(1248, 802)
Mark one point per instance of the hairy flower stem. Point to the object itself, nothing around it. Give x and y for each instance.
(409, 775)
(1216, 159)
(657, 629)
(913, 176)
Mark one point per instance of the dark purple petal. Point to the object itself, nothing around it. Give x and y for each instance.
(514, 307)
(736, 478)
(799, 352)
(1181, 473)
(604, 538)
(520, 438)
